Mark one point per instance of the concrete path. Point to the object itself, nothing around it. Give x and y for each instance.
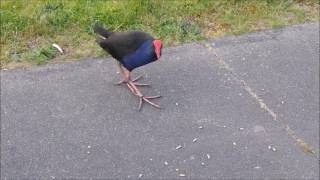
(238, 107)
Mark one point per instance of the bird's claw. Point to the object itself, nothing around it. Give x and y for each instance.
(133, 80)
(147, 99)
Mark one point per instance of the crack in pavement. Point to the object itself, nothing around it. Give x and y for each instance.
(305, 147)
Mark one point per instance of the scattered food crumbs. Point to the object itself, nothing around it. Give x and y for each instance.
(272, 148)
(182, 175)
(208, 156)
(257, 167)
(166, 163)
(241, 129)
(234, 143)
(195, 139)
(179, 147)
(200, 127)
(140, 175)
(177, 104)
(202, 163)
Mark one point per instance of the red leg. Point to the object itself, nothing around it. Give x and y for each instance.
(133, 88)
(126, 76)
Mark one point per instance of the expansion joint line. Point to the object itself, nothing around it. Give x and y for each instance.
(305, 147)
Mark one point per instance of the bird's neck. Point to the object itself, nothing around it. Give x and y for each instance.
(142, 56)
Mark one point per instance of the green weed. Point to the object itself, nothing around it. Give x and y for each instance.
(27, 26)
(40, 55)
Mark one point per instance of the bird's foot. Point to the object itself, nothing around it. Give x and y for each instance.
(142, 98)
(147, 100)
(134, 82)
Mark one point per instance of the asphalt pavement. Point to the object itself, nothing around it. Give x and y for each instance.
(244, 107)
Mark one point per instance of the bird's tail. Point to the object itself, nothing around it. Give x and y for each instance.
(102, 43)
(101, 31)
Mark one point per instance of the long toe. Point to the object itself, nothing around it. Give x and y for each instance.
(119, 83)
(153, 97)
(136, 78)
(134, 82)
(144, 99)
(142, 84)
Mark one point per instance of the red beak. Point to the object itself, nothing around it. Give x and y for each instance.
(158, 53)
(157, 47)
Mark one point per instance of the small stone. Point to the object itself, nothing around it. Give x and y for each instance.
(89, 147)
(166, 163)
(182, 175)
(258, 129)
(140, 175)
(177, 104)
(202, 163)
(151, 159)
(88, 152)
(274, 149)
(195, 139)
(178, 147)
(282, 102)
(200, 127)
(234, 143)
(257, 167)
(269, 147)
(208, 156)
(177, 169)
(241, 129)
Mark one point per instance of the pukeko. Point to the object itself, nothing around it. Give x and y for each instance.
(131, 49)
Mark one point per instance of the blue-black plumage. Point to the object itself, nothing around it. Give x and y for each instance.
(131, 49)
(142, 56)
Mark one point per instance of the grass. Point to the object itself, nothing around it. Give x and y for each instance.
(29, 27)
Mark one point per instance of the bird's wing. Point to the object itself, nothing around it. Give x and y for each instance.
(121, 44)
